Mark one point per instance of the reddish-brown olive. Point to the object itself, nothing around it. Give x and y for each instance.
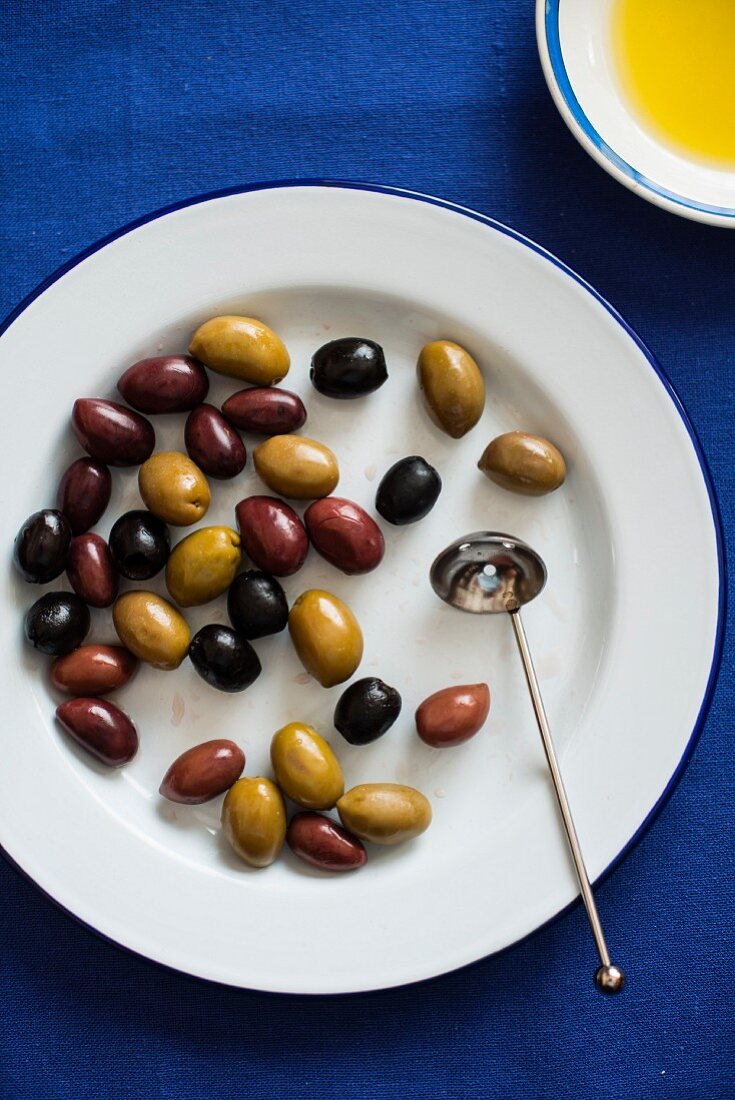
(345, 534)
(323, 843)
(91, 570)
(165, 384)
(84, 493)
(203, 772)
(272, 534)
(265, 411)
(93, 670)
(112, 433)
(453, 715)
(101, 728)
(213, 443)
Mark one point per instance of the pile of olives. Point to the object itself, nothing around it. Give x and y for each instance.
(175, 492)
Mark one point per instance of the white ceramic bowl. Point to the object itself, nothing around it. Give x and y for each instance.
(574, 43)
(626, 665)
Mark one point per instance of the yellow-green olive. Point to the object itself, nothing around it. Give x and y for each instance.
(523, 463)
(241, 347)
(174, 488)
(326, 636)
(254, 820)
(297, 467)
(385, 813)
(203, 565)
(453, 387)
(151, 629)
(305, 767)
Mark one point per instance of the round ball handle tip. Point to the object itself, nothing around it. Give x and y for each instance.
(609, 979)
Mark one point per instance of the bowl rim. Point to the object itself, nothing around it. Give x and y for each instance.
(557, 78)
(717, 652)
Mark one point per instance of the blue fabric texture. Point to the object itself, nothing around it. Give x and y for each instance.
(111, 109)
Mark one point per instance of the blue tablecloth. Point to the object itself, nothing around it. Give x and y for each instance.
(111, 109)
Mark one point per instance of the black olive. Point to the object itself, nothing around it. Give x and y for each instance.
(140, 545)
(224, 658)
(366, 710)
(257, 604)
(408, 491)
(42, 546)
(349, 367)
(57, 623)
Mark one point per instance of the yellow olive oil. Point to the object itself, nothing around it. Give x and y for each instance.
(676, 60)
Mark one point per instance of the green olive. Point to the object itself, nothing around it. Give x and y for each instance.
(305, 767)
(203, 565)
(326, 636)
(385, 813)
(523, 463)
(453, 387)
(151, 629)
(241, 347)
(173, 488)
(254, 820)
(297, 467)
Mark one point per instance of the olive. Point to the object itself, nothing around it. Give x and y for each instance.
(57, 623)
(297, 467)
(322, 843)
(84, 493)
(164, 384)
(345, 535)
(366, 710)
(385, 813)
(265, 411)
(257, 605)
(241, 347)
(91, 570)
(203, 772)
(305, 767)
(408, 491)
(453, 387)
(112, 433)
(349, 367)
(453, 715)
(93, 670)
(140, 545)
(326, 636)
(224, 658)
(272, 534)
(174, 489)
(101, 728)
(41, 546)
(213, 443)
(203, 565)
(523, 463)
(254, 820)
(151, 629)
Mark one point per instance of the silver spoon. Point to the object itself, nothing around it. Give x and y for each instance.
(485, 573)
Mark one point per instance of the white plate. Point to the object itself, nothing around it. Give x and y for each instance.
(575, 45)
(626, 663)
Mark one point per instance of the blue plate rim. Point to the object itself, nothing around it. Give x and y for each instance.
(406, 193)
(631, 176)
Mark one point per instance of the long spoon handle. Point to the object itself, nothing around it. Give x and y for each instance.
(608, 978)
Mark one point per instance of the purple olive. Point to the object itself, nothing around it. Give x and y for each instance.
(165, 384)
(265, 410)
(112, 433)
(91, 570)
(101, 728)
(213, 443)
(323, 843)
(84, 493)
